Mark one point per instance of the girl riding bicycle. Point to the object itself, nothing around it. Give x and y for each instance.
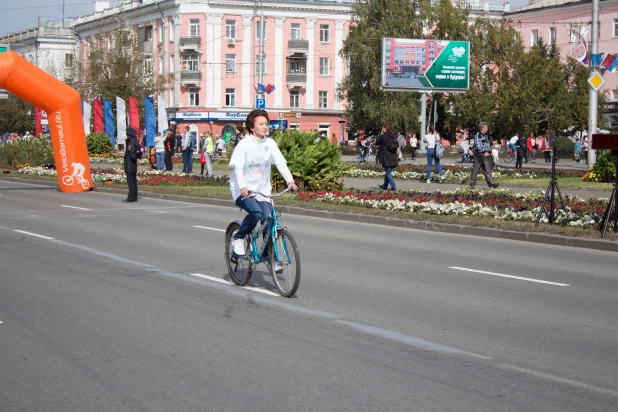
(252, 160)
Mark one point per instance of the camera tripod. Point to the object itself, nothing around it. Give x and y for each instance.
(611, 204)
(550, 194)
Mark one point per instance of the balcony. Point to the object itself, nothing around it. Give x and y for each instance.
(298, 46)
(145, 47)
(190, 44)
(296, 80)
(190, 78)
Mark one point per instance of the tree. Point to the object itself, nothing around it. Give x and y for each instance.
(16, 115)
(120, 70)
(368, 105)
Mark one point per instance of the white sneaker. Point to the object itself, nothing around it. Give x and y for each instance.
(239, 246)
(428, 181)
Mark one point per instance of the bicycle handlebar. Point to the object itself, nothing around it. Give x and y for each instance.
(254, 194)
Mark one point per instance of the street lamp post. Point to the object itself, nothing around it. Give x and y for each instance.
(593, 95)
(260, 93)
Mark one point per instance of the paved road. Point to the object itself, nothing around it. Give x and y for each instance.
(101, 310)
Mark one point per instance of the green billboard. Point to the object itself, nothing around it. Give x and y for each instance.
(425, 65)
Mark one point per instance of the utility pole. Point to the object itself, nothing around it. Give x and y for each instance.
(260, 93)
(593, 95)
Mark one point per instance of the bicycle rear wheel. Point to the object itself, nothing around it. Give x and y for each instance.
(240, 268)
(508, 157)
(288, 278)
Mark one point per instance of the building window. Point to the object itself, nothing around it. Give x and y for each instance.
(552, 35)
(323, 66)
(297, 65)
(534, 37)
(172, 65)
(324, 33)
(68, 60)
(230, 29)
(257, 69)
(230, 63)
(191, 62)
(230, 97)
(194, 28)
(258, 28)
(323, 100)
(194, 96)
(324, 128)
(294, 98)
(295, 31)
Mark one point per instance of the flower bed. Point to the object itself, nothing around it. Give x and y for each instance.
(455, 174)
(500, 204)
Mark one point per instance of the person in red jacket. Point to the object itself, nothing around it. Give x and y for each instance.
(531, 141)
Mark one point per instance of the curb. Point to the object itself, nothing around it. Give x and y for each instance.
(582, 243)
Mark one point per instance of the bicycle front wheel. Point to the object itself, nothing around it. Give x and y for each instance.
(284, 262)
(240, 268)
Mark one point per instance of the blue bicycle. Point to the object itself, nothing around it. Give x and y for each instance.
(281, 255)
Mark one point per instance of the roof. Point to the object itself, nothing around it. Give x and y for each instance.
(546, 3)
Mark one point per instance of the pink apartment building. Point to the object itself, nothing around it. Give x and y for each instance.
(566, 23)
(212, 49)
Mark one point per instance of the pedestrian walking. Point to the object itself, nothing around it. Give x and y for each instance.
(577, 150)
(160, 150)
(401, 139)
(178, 142)
(547, 148)
(585, 147)
(521, 149)
(413, 144)
(186, 147)
(531, 146)
(465, 146)
(482, 157)
(169, 145)
(386, 141)
(430, 140)
(132, 153)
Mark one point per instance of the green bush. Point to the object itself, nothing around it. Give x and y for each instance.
(564, 145)
(605, 167)
(98, 144)
(33, 152)
(314, 165)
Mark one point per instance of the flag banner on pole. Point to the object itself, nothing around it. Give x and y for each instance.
(134, 114)
(260, 87)
(151, 121)
(161, 114)
(613, 67)
(121, 120)
(38, 127)
(86, 113)
(596, 59)
(110, 127)
(98, 116)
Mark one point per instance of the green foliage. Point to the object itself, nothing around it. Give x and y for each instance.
(368, 105)
(33, 152)
(98, 144)
(314, 165)
(16, 115)
(564, 145)
(605, 168)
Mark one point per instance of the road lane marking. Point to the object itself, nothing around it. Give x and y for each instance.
(509, 276)
(34, 234)
(75, 207)
(559, 379)
(252, 288)
(209, 228)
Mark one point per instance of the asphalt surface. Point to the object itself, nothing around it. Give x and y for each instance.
(101, 310)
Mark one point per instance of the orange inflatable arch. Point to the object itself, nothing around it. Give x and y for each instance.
(63, 106)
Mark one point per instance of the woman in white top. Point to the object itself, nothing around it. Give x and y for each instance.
(430, 139)
(252, 160)
(160, 150)
(413, 144)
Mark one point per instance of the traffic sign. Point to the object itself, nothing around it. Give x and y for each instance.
(260, 103)
(298, 115)
(596, 81)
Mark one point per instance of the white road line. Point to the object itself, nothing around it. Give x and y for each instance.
(254, 289)
(75, 207)
(0, 322)
(214, 279)
(210, 228)
(33, 234)
(509, 276)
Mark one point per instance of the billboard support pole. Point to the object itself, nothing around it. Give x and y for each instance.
(423, 119)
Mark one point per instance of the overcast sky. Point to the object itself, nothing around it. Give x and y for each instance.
(18, 15)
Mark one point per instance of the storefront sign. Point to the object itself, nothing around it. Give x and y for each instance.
(201, 116)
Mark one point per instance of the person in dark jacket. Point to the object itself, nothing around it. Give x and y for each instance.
(131, 155)
(389, 157)
(522, 148)
(169, 144)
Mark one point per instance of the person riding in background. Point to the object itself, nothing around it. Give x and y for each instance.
(252, 160)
